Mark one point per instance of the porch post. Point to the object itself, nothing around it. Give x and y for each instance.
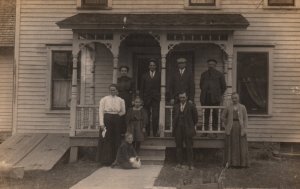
(162, 108)
(75, 52)
(73, 95)
(228, 64)
(115, 47)
(115, 69)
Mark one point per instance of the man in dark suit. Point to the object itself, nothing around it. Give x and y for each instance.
(184, 123)
(213, 86)
(182, 80)
(150, 93)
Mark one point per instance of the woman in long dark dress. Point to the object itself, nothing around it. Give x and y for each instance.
(126, 90)
(125, 86)
(235, 121)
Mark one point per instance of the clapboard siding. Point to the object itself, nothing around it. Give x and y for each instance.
(280, 28)
(6, 88)
(103, 72)
(38, 28)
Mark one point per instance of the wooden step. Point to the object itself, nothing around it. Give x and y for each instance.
(152, 155)
(152, 151)
(152, 160)
(198, 142)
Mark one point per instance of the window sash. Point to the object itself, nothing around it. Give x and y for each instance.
(253, 89)
(61, 93)
(94, 3)
(61, 79)
(281, 2)
(202, 2)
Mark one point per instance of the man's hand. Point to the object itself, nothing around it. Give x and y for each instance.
(191, 101)
(144, 130)
(172, 101)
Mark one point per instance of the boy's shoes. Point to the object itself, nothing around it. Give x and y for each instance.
(191, 167)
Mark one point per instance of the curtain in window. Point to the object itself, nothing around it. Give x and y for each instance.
(252, 80)
(256, 90)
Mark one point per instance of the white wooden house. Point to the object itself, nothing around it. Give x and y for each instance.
(68, 52)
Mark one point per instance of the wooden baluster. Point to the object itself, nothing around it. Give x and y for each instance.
(210, 118)
(171, 120)
(81, 118)
(77, 119)
(90, 117)
(203, 119)
(219, 119)
(97, 118)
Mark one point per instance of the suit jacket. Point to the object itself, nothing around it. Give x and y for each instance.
(227, 118)
(190, 118)
(150, 87)
(182, 83)
(213, 83)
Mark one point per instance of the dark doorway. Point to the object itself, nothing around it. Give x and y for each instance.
(140, 66)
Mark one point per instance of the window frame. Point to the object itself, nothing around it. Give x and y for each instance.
(187, 5)
(253, 49)
(295, 6)
(50, 49)
(79, 6)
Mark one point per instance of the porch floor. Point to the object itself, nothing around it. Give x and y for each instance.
(89, 139)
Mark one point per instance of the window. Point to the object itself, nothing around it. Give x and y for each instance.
(202, 4)
(281, 2)
(253, 77)
(94, 4)
(60, 77)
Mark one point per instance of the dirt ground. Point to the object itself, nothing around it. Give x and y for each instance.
(62, 176)
(264, 171)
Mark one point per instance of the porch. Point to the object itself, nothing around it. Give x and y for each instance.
(105, 41)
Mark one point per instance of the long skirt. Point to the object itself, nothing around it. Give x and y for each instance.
(236, 147)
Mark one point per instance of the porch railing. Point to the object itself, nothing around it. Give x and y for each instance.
(87, 119)
(200, 127)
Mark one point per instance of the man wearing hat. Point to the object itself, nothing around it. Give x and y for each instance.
(213, 86)
(182, 80)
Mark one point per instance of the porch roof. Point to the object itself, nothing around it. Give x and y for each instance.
(179, 21)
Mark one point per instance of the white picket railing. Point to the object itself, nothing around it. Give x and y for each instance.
(87, 119)
(200, 127)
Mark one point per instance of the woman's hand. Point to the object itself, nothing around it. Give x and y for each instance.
(102, 127)
(243, 132)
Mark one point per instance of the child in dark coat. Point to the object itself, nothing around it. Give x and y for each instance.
(136, 120)
(127, 157)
